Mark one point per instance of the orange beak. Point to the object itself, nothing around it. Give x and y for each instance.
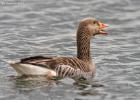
(102, 26)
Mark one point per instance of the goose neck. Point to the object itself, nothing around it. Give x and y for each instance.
(83, 45)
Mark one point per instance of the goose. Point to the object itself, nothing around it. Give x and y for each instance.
(81, 65)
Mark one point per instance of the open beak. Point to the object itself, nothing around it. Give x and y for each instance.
(102, 26)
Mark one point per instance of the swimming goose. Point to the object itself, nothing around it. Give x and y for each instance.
(80, 66)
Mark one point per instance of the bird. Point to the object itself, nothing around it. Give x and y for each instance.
(81, 65)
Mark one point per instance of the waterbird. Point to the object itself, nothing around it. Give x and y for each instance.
(81, 65)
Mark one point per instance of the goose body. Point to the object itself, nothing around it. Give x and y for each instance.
(79, 66)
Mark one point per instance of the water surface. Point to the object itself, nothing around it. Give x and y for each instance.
(34, 27)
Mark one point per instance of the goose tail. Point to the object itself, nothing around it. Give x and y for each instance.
(29, 69)
(12, 62)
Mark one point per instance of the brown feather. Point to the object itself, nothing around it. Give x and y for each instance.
(55, 62)
(81, 65)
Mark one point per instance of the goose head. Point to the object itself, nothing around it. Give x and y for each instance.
(92, 27)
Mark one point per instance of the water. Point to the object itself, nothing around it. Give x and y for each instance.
(34, 27)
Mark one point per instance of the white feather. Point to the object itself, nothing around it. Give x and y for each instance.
(28, 69)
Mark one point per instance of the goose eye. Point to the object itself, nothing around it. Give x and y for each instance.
(94, 22)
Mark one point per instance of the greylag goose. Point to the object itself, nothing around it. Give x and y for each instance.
(80, 66)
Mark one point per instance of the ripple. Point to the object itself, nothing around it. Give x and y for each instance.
(34, 27)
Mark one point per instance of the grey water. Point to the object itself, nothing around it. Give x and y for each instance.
(48, 27)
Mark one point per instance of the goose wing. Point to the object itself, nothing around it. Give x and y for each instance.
(63, 66)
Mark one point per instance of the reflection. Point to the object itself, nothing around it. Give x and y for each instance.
(88, 87)
(54, 89)
(82, 83)
(26, 84)
(89, 92)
